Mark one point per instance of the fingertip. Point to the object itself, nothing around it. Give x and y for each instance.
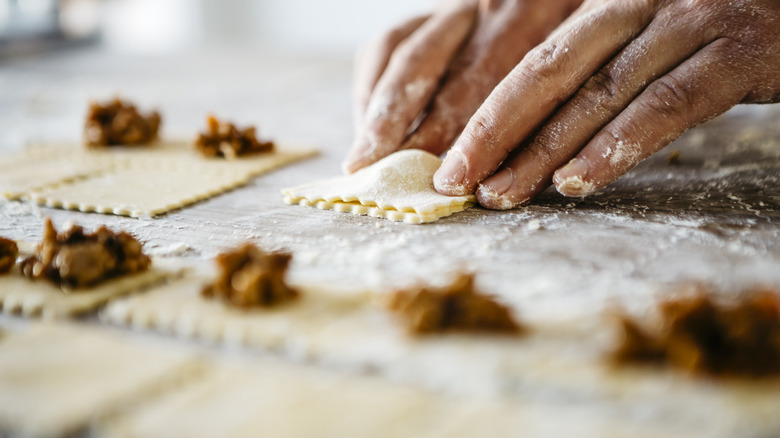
(449, 179)
(572, 179)
(491, 199)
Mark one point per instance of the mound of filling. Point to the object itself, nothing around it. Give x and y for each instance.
(119, 123)
(248, 277)
(699, 335)
(76, 259)
(8, 254)
(223, 139)
(457, 307)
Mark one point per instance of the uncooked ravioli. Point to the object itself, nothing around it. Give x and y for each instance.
(399, 187)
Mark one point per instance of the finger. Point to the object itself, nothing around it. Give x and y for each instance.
(371, 61)
(547, 76)
(699, 89)
(665, 44)
(406, 87)
(507, 31)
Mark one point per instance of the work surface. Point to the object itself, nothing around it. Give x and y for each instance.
(713, 217)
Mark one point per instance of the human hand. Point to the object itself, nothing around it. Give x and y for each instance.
(616, 82)
(439, 69)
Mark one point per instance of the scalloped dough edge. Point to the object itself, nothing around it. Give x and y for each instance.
(357, 208)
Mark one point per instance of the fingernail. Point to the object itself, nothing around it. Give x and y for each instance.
(449, 178)
(570, 180)
(500, 182)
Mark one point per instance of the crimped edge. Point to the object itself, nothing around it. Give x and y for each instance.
(390, 213)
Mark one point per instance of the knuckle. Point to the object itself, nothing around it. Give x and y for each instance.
(540, 148)
(601, 93)
(481, 130)
(670, 96)
(547, 62)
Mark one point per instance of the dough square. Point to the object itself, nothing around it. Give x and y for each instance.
(131, 181)
(139, 191)
(21, 175)
(317, 324)
(18, 295)
(399, 187)
(57, 379)
(264, 398)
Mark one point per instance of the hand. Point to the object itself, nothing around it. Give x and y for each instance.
(616, 82)
(436, 71)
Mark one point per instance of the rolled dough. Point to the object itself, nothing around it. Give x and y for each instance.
(56, 379)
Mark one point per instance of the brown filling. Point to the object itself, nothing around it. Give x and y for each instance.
(8, 254)
(119, 123)
(701, 336)
(249, 277)
(223, 139)
(457, 307)
(76, 259)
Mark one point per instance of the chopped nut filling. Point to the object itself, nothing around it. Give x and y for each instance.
(249, 277)
(457, 307)
(701, 336)
(8, 254)
(75, 259)
(119, 123)
(223, 139)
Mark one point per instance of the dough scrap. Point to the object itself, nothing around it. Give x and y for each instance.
(398, 187)
(135, 182)
(18, 295)
(57, 379)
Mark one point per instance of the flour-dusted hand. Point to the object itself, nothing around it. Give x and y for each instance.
(436, 70)
(616, 82)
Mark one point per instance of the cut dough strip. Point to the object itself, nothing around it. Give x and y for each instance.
(146, 182)
(18, 295)
(398, 187)
(139, 192)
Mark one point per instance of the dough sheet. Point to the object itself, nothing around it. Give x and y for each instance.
(139, 192)
(398, 187)
(57, 379)
(284, 400)
(317, 324)
(18, 295)
(264, 398)
(555, 363)
(18, 177)
(130, 181)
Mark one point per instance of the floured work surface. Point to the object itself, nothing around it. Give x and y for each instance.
(56, 379)
(398, 187)
(136, 181)
(40, 298)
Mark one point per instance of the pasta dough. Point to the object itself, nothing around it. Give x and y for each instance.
(21, 175)
(56, 379)
(145, 182)
(18, 295)
(398, 187)
(264, 398)
(317, 323)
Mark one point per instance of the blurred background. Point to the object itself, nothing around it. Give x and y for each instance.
(283, 64)
(334, 27)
